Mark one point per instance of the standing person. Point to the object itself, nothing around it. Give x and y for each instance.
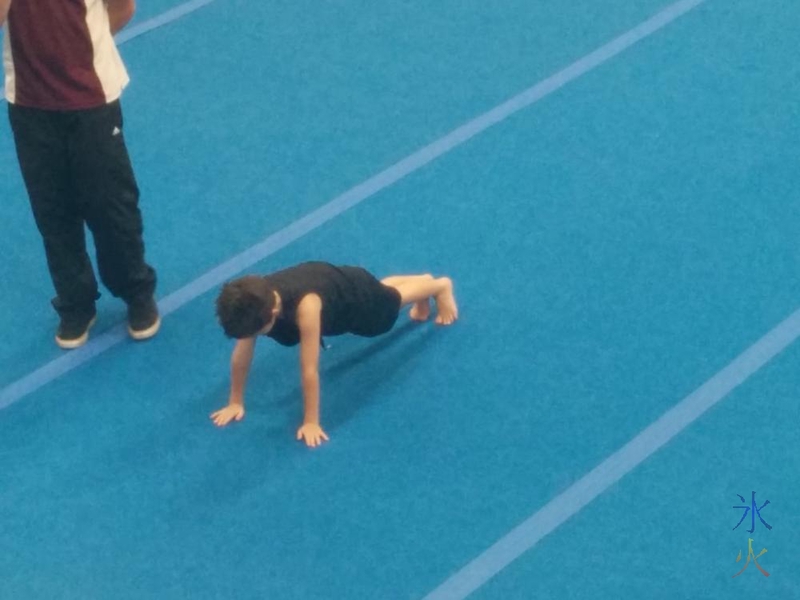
(63, 81)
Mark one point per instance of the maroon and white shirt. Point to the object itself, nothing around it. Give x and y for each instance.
(60, 55)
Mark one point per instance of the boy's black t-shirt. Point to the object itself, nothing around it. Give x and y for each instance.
(353, 301)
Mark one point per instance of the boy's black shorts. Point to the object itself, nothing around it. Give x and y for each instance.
(379, 304)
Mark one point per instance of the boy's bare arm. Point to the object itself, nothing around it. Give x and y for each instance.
(241, 359)
(4, 6)
(120, 12)
(309, 322)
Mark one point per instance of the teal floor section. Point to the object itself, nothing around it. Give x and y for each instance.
(613, 247)
(669, 530)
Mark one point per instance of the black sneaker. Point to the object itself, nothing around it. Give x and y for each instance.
(143, 319)
(74, 331)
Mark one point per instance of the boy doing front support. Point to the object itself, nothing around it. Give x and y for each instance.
(301, 304)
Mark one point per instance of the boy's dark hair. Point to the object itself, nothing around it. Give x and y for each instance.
(244, 306)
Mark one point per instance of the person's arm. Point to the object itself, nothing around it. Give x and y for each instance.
(120, 12)
(309, 322)
(4, 6)
(241, 358)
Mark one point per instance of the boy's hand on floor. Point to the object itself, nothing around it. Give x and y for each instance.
(312, 434)
(226, 415)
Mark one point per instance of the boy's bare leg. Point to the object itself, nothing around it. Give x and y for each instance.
(396, 280)
(422, 308)
(446, 307)
(420, 289)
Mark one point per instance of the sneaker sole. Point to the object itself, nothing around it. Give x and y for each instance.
(77, 342)
(144, 334)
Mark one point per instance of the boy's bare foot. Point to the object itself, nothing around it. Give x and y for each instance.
(420, 311)
(446, 306)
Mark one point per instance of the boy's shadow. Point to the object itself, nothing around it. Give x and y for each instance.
(346, 389)
(349, 385)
